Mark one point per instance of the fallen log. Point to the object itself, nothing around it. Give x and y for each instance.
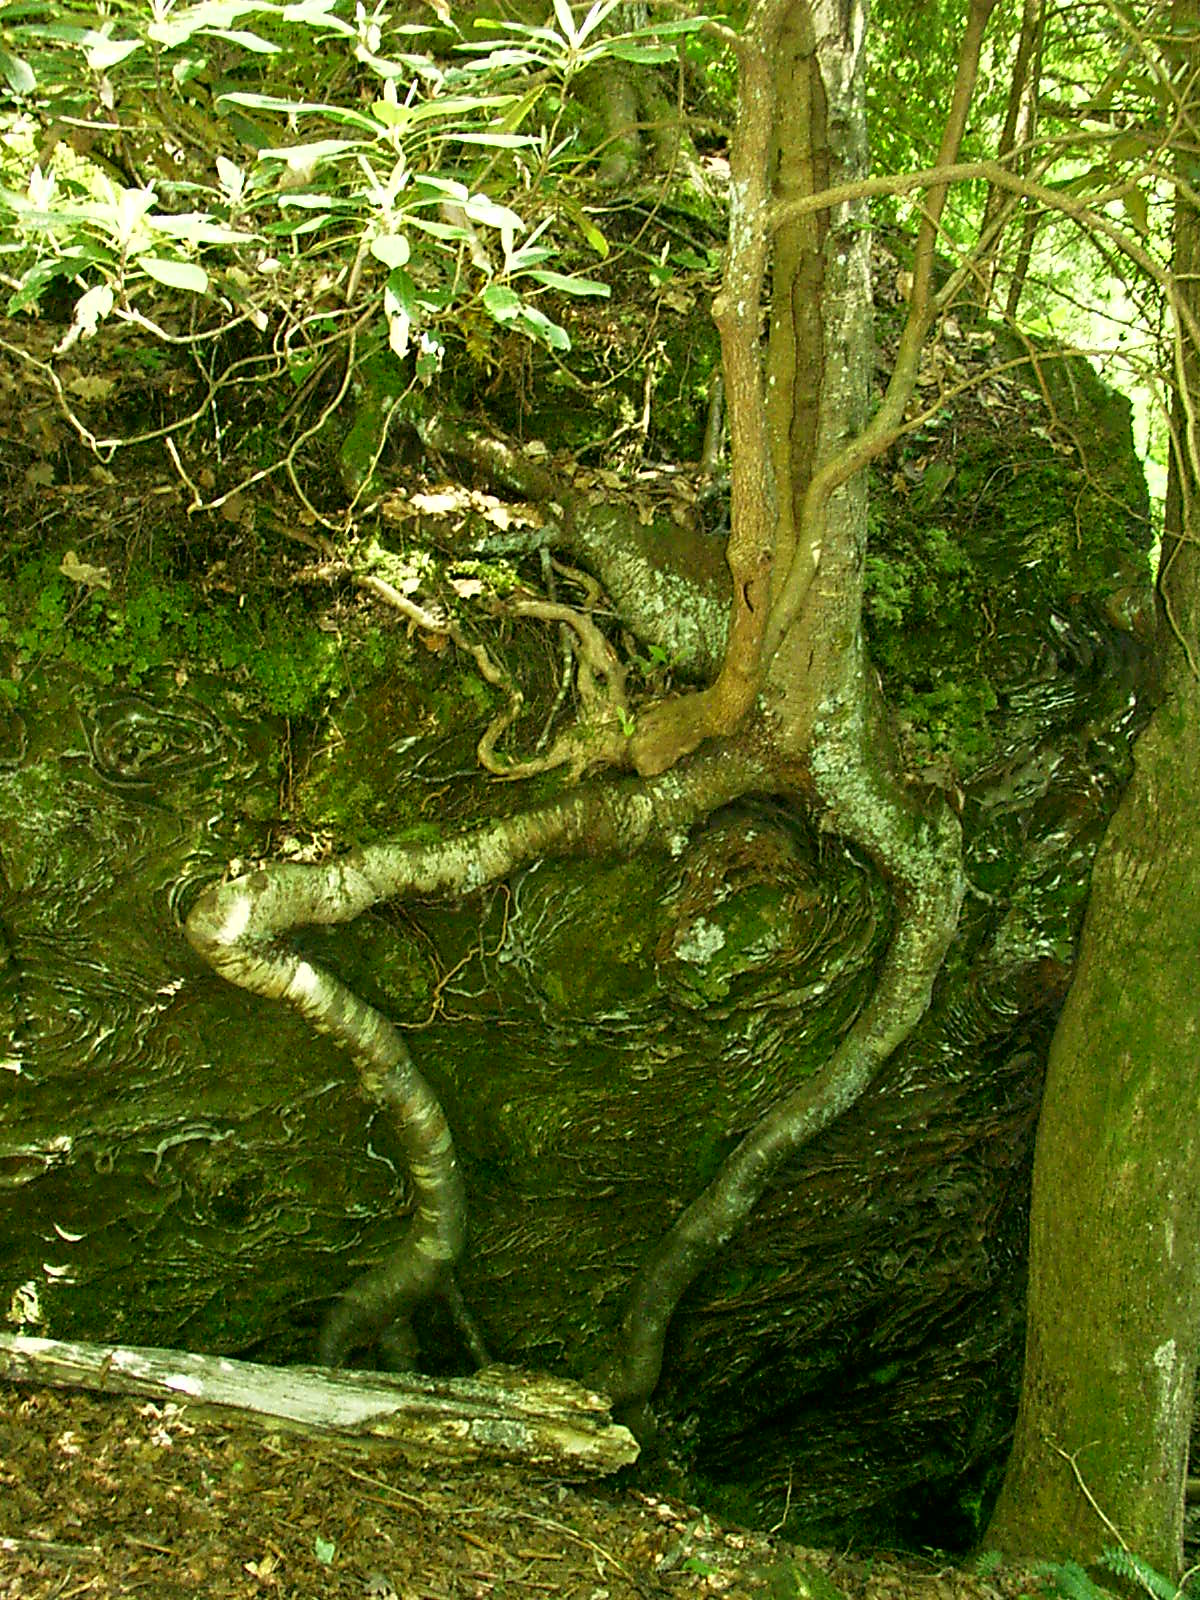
(501, 1413)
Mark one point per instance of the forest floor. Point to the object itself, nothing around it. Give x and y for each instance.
(101, 1497)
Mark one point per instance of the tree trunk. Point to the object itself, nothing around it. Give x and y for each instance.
(1114, 1308)
(1101, 1447)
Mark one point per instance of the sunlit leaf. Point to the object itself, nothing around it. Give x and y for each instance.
(92, 307)
(392, 249)
(306, 157)
(566, 21)
(491, 215)
(248, 41)
(570, 283)
(495, 141)
(317, 14)
(102, 52)
(600, 11)
(18, 74)
(132, 205)
(197, 227)
(187, 275)
(298, 108)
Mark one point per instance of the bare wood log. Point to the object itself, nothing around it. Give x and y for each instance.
(500, 1413)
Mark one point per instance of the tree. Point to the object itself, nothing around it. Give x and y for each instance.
(791, 708)
(1101, 1448)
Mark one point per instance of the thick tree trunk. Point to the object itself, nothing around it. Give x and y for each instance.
(1101, 1448)
(1114, 1295)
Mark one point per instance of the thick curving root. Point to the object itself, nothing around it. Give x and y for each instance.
(922, 856)
(219, 928)
(238, 928)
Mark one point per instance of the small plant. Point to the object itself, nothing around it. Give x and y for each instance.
(398, 184)
(1073, 1582)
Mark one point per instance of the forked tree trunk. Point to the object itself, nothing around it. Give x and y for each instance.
(1101, 1447)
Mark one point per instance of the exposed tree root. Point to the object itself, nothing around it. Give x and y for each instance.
(922, 857)
(238, 927)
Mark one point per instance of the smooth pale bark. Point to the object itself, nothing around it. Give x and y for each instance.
(500, 1414)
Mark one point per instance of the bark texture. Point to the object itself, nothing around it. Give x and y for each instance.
(1101, 1448)
(1114, 1311)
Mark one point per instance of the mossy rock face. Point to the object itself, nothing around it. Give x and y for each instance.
(1004, 551)
(197, 1167)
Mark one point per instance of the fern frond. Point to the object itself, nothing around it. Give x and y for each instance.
(1072, 1581)
(1133, 1569)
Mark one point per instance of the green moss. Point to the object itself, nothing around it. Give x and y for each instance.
(976, 533)
(268, 641)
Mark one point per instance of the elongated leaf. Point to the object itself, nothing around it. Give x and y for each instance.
(503, 56)
(449, 188)
(297, 108)
(300, 157)
(601, 10)
(515, 116)
(450, 106)
(570, 283)
(537, 324)
(186, 275)
(566, 22)
(106, 53)
(197, 228)
(529, 255)
(318, 14)
(494, 141)
(437, 230)
(248, 41)
(18, 74)
(644, 54)
(491, 215)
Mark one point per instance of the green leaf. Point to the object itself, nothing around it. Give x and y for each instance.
(248, 41)
(324, 1549)
(304, 157)
(571, 283)
(541, 328)
(491, 215)
(18, 73)
(298, 108)
(502, 303)
(643, 54)
(1137, 209)
(185, 275)
(515, 115)
(392, 249)
(529, 255)
(587, 228)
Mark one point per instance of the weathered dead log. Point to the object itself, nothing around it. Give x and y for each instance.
(501, 1412)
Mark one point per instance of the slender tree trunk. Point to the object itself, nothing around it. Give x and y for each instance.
(1101, 1446)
